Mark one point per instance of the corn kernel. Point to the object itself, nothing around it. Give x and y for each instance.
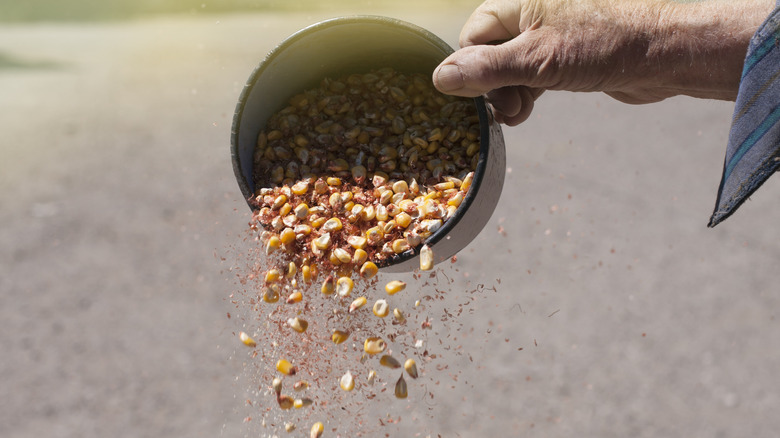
(411, 368)
(359, 257)
(374, 235)
(302, 402)
(271, 294)
(374, 345)
(285, 402)
(272, 275)
(333, 181)
(298, 324)
(368, 270)
(398, 315)
(371, 377)
(323, 242)
(464, 187)
(295, 297)
(400, 245)
(426, 258)
(317, 430)
(276, 384)
(306, 273)
(342, 255)
(389, 361)
(339, 336)
(289, 427)
(357, 242)
(301, 385)
(331, 225)
(358, 303)
(394, 287)
(381, 309)
(400, 187)
(300, 187)
(301, 211)
(400, 388)
(344, 286)
(285, 367)
(287, 236)
(292, 269)
(273, 244)
(247, 340)
(328, 286)
(347, 382)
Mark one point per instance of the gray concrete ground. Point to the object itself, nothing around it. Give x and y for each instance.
(117, 201)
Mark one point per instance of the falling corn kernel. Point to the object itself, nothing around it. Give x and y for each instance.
(276, 384)
(398, 315)
(411, 367)
(381, 308)
(368, 270)
(400, 388)
(358, 303)
(298, 324)
(301, 385)
(295, 297)
(328, 286)
(342, 255)
(344, 286)
(289, 427)
(317, 430)
(371, 377)
(247, 340)
(394, 287)
(426, 258)
(271, 295)
(339, 336)
(287, 236)
(291, 270)
(389, 361)
(285, 402)
(273, 244)
(306, 273)
(302, 403)
(347, 382)
(272, 276)
(285, 367)
(374, 345)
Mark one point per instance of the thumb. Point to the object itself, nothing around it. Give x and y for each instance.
(476, 70)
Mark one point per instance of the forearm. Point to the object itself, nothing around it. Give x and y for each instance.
(703, 47)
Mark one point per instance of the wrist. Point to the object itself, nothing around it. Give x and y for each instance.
(703, 45)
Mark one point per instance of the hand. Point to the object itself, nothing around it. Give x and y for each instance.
(635, 51)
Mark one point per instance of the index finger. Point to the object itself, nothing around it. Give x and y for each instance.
(492, 21)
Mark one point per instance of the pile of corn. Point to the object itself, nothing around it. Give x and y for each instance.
(351, 175)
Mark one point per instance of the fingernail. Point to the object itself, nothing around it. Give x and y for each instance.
(449, 78)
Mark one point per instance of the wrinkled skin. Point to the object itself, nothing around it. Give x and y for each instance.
(634, 51)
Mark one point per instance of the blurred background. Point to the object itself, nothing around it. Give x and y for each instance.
(608, 308)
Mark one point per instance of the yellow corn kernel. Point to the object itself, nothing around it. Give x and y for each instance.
(368, 213)
(368, 270)
(426, 258)
(359, 173)
(381, 309)
(374, 345)
(398, 315)
(394, 287)
(374, 235)
(344, 286)
(273, 244)
(279, 202)
(400, 245)
(317, 430)
(285, 367)
(332, 224)
(300, 187)
(347, 382)
(301, 211)
(456, 200)
(289, 427)
(272, 275)
(333, 259)
(285, 401)
(400, 388)
(342, 255)
(333, 181)
(381, 213)
(323, 242)
(287, 236)
(276, 384)
(271, 294)
(359, 257)
(306, 273)
(358, 303)
(400, 186)
(357, 242)
(301, 385)
(302, 402)
(247, 340)
(285, 209)
(411, 368)
(339, 336)
(389, 361)
(371, 377)
(464, 187)
(328, 286)
(298, 324)
(403, 219)
(295, 297)
(316, 223)
(292, 269)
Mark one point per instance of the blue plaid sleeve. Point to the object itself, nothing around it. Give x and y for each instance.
(753, 152)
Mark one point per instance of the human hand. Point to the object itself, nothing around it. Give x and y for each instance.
(635, 51)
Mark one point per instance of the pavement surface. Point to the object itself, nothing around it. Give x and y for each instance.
(617, 313)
